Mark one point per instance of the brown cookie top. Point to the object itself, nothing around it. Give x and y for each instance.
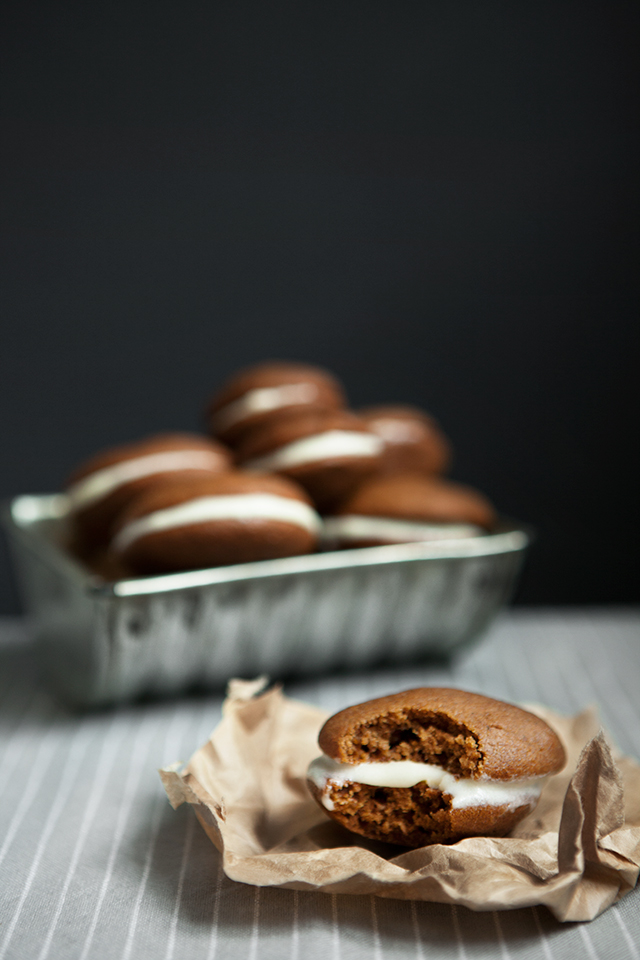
(468, 734)
(267, 387)
(419, 498)
(413, 438)
(216, 456)
(234, 483)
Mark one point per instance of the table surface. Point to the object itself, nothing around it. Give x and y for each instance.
(94, 863)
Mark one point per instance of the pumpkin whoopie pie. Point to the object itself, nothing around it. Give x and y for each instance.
(215, 520)
(432, 765)
(257, 395)
(413, 440)
(327, 452)
(406, 507)
(103, 486)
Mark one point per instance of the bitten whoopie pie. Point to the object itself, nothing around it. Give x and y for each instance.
(101, 488)
(328, 453)
(215, 520)
(257, 395)
(413, 441)
(407, 507)
(432, 765)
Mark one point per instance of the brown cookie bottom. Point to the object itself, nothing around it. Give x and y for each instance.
(216, 543)
(413, 816)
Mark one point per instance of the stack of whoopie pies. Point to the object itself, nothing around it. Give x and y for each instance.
(287, 470)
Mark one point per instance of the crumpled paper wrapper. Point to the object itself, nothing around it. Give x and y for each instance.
(576, 853)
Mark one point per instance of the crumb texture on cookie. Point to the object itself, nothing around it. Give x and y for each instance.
(414, 816)
(411, 734)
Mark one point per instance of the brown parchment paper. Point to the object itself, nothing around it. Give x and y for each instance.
(577, 852)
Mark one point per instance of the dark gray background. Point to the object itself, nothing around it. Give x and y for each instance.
(436, 200)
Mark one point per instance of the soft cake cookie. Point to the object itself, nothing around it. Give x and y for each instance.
(404, 508)
(432, 765)
(102, 487)
(257, 395)
(212, 521)
(328, 453)
(413, 441)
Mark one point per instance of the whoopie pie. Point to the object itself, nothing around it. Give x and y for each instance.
(258, 394)
(400, 508)
(327, 452)
(432, 765)
(216, 520)
(103, 486)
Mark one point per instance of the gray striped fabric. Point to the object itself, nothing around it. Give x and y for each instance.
(94, 863)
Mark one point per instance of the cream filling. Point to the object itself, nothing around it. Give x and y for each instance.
(243, 506)
(355, 527)
(321, 446)
(261, 401)
(464, 791)
(103, 482)
(398, 431)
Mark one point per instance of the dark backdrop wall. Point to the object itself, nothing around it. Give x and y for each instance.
(435, 200)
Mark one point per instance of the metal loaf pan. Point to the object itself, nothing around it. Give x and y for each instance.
(106, 642)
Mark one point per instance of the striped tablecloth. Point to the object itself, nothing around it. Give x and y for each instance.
(95, 864)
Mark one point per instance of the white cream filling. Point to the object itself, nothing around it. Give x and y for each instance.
(355, 527)
(398, 431)
(321, 446)
(261, 401)
(243, 506)
(105, 481)
(464, 791)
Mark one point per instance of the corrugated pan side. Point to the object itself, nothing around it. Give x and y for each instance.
(106, 642)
